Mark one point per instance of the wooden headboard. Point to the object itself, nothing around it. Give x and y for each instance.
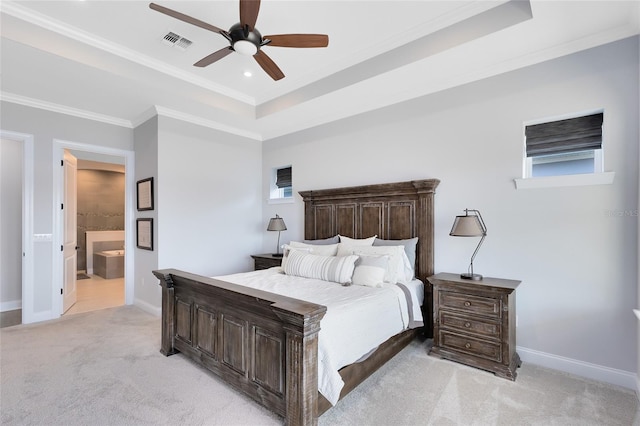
(392, 211)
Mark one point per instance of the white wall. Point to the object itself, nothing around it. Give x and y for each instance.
(46, 126)
(209, 191)
(576, 261)
(10, 225)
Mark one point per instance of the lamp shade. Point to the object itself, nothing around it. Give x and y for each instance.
(276, 224)
(467, 226)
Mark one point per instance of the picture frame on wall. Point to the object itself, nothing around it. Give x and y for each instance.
(144, 199)
(144, 233)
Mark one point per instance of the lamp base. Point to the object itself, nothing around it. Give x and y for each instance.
(474, 277)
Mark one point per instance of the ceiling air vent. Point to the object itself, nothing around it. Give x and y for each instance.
(176, 40)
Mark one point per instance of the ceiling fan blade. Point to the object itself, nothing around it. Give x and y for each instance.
(249, 13)
(298, 40)
(268, 65)
(186, 18)
(215, 56)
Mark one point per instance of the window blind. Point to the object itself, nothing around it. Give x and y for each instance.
(283, 177)
(571, 135)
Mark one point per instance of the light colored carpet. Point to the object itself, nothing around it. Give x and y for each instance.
(105, 368)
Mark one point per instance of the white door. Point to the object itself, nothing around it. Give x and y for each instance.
(70, 244)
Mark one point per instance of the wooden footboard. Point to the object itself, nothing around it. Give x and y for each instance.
(261, 343)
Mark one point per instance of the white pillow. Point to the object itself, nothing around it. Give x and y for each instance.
(326, 268)
(399, 267)
(357, 241)
(370, 270)
(323, 250)
(346, 244)
(409, 244)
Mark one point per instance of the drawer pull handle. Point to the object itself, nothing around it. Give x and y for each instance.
(468, 345)
(467, 324)
(467, 304)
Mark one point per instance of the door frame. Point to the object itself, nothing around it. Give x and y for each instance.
(27, 221)
(58, 225)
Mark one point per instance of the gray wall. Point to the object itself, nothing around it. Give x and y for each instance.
(577, 261)
(146, 290)
(209, 188)
(10, 224)
(100, 195)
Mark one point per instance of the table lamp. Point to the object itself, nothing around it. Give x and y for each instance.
(277, 224)
(470, 225)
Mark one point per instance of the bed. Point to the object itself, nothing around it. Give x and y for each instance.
(266, 344)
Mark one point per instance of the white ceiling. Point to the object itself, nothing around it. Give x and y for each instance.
(106, 60)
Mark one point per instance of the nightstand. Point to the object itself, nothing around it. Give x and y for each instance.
(265, 261)
(475, 322)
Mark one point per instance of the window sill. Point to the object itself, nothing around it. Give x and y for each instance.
(605, 178)
(289, 200)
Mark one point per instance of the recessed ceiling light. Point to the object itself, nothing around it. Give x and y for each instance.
(247, 74)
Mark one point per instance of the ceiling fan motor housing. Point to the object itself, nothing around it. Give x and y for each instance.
(245, 41)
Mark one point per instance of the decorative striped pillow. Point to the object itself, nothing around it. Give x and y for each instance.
(326, 268)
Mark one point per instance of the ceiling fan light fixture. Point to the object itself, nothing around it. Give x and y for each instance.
(245, 39)
(245, 47)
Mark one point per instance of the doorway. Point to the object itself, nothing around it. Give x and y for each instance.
(99, 198)
(100, 292)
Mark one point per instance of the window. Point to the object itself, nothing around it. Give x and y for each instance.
(281, 187)
(564, 147)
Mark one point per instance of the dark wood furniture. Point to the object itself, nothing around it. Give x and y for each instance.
(265, 261)
(475, 322)
(266, 345)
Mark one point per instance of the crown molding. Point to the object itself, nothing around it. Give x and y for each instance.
(153, 111)
(211, 124)
(63, 109)
(43, 21)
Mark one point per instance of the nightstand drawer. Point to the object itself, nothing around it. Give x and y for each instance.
(473, 325)
(265, 263)
(466, 344)
(467, 303)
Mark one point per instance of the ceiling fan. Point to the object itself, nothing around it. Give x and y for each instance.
(245, 38)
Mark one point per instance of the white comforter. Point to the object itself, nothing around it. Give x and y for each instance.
(358, 318)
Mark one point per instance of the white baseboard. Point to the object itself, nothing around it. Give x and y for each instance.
(601, 373)
(147, 307)
(11, 305)
(37, 317)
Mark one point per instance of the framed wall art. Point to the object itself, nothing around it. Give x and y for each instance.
(144, 199)
(144, 233)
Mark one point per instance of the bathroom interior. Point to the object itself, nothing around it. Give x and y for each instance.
(100, 228)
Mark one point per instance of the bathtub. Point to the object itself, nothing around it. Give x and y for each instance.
(113, 252)
(109, 264)
(96, 242)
